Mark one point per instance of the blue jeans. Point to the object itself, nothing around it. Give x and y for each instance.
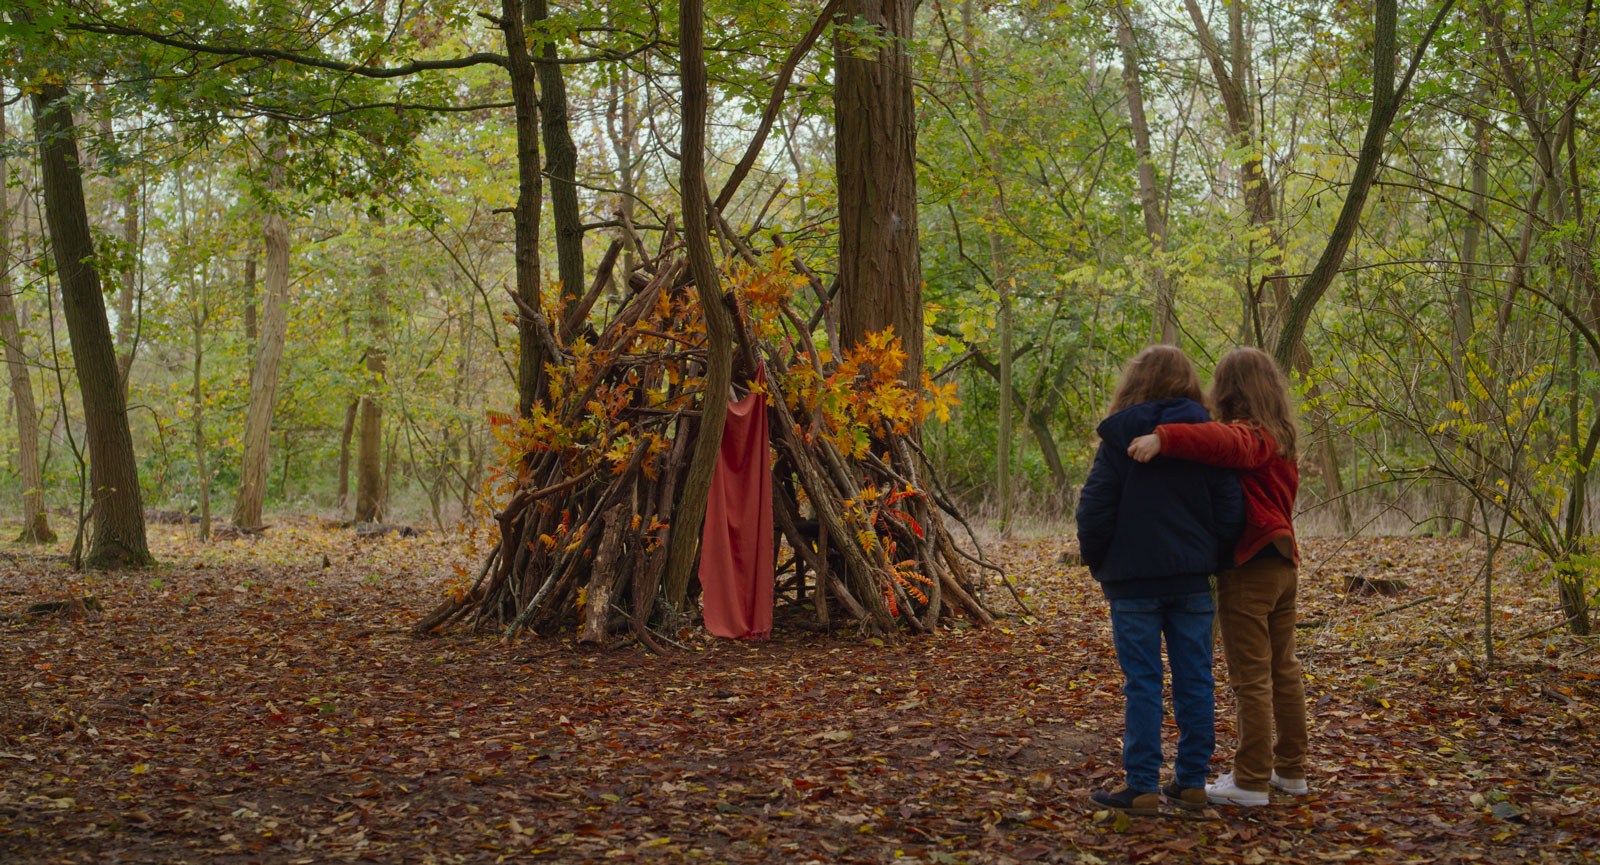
(1137, 625)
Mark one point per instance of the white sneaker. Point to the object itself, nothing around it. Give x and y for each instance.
(1223, 792)
(1292, 786)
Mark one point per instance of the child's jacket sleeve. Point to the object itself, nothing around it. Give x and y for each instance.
(1097, 509)
(1233, 446)
(1227, 502)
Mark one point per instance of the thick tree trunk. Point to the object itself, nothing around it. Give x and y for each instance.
(875, 138)
(1164, 323)
(524, 94)
(689, 516)
(369, 454)
(268, 358)
(561, 163)
(119, 535)
(35, 528)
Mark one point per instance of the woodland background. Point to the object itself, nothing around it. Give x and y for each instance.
(302, 226)
(356, 260)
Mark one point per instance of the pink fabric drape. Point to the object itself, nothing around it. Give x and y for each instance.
(736, 545)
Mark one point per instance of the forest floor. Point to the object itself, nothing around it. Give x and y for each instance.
(259, 701)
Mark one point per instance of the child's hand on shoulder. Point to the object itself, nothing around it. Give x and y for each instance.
(1145, 447)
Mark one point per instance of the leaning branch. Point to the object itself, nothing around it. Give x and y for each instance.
(479, 58)
(1386, 98)
(785, 73)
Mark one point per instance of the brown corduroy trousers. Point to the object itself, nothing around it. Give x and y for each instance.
(1256, 614)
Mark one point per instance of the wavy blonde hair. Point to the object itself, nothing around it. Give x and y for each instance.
(1248, 386)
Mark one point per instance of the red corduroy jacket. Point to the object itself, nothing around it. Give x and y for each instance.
(1269, 481)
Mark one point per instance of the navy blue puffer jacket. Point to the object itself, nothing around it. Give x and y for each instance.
(1156, 528)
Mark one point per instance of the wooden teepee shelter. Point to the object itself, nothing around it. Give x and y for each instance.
(599, 467)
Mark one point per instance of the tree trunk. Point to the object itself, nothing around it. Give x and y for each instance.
(561, 163)
(35, 528)
(195, 297)
(1004, 434)
(1164, 323)
(875, 137)
(369, 454)
(344, 452)
(1259, 192)
(998, 273)
(250, 302)
(689, 516)
(128, 288)
(202, 471)
(524, 94)
(268, 358)
(119, 535)
(1038, 420)
(1462, 308)
(622, 126)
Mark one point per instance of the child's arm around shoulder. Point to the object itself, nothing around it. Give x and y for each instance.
(1230, 445)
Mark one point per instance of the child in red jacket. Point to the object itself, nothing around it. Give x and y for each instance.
(1255, 598)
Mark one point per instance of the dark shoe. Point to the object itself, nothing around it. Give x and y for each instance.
(1193, 798)
(1128, 802)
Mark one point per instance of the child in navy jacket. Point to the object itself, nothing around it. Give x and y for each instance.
(1152, 535)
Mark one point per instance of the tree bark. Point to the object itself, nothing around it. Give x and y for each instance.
(1164, 323)
(198, 313)
(202, 471)
(561, 163)
(345, 435)
(268, 358)
(1259, 192)
(128, 288)
(875, 138)
(524, 95)
(622, 127)
(603, 576)
(689, 516)
(370, 485)
(250, 302)
(119, 533)
(1462, 313)
(35, 528)
(1001, 280)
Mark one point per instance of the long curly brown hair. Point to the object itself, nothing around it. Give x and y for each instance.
(1158, 372)
(1248, 386)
